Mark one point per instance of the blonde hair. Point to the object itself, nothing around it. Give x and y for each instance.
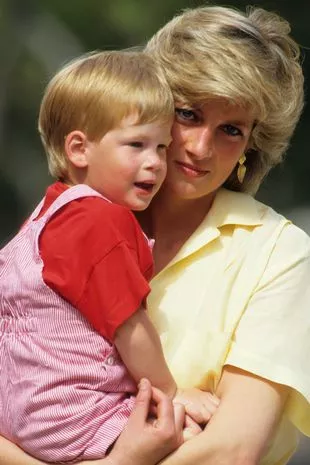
(94, 93)
(247, 58)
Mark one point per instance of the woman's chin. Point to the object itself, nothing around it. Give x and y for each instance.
(186, 190)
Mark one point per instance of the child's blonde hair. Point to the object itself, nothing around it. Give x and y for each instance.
(94, 93)
(247, 58)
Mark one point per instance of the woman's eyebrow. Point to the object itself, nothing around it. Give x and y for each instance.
(239, 122)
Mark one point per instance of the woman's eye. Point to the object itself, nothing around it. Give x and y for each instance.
(185, 114)
(136, 144)
(232, 130)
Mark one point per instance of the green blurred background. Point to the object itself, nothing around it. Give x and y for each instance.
(39, 36)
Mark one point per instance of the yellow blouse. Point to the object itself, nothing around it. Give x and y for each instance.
(238, 293)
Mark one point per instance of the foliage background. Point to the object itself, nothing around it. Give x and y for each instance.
(39, 36)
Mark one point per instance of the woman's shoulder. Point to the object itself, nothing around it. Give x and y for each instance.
(253, 210)
(262, 222)
(291, 243)
(291, 237)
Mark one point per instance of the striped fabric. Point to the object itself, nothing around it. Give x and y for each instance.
(64, 393)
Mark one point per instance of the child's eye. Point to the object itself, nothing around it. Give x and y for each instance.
(185, 114)
(232, 130)
(136, 144)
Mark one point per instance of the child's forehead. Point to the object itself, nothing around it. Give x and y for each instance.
(131, 120)
(131, 126)
(134, 122)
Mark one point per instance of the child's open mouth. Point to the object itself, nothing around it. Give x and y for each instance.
(145, 186)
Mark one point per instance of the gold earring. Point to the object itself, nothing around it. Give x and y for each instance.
(241, 168)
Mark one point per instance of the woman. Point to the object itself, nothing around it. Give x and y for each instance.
(232, 291)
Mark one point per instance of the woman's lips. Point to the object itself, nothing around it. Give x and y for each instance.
(191, 170)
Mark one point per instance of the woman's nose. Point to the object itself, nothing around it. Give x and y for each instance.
(200, 143)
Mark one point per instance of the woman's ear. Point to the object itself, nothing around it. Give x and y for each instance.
(76, 148)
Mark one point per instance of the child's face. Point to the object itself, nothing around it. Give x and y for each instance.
(128, 165)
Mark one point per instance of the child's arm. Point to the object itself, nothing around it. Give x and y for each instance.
(139, 346)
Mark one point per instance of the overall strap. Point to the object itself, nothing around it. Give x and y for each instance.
(36, 212)
(73, 193)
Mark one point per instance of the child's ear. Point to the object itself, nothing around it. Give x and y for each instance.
(76, 148)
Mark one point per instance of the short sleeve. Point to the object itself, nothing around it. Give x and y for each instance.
(115, 290)
(97, 258)
(272, 339)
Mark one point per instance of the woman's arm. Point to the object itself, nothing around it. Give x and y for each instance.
(141, 442)
(244, 423)
(10, 454)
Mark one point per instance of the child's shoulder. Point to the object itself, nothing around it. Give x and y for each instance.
(97, 217)
(88, 203)
(102, 210)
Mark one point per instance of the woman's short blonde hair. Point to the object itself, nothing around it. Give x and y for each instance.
(248, 58)
(94, 93)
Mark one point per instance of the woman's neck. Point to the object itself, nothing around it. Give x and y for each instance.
(172, 221)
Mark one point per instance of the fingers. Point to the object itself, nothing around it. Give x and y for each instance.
(143, 400)
(179, 417)
(147, 441)
(210, 405)
(164, 408)
(170, 419)
(191, 428)
(190, 423)
(200, 414)
(199, 405)
(213, 398)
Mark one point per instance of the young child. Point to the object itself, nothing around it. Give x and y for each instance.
(75, 337)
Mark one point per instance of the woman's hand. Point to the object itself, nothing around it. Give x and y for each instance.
(145, 442)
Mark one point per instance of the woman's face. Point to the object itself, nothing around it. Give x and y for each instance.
(207, 143)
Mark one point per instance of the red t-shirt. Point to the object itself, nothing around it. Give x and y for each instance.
(96, 256)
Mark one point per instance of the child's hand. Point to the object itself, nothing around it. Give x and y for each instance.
(199, 405)
(190, 429)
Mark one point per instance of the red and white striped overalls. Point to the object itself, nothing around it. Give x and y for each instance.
(63, 387)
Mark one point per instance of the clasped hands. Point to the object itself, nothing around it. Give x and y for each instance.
(199, 407)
